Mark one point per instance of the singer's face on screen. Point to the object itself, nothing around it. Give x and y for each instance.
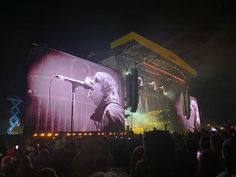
(96, 94)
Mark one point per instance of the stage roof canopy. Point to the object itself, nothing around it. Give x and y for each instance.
(138, 46)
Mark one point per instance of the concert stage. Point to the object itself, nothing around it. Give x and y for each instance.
(69, 94)
(164, 99)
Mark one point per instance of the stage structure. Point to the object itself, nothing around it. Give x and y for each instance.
(163, 90)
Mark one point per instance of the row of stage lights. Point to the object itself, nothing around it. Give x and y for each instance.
(156, 70)
(150, 84)
(79, 134)
(153, 85)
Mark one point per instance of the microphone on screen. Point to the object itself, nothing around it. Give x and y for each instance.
(74, 81)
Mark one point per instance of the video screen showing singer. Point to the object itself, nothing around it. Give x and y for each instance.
(64, 91)
(109, 114)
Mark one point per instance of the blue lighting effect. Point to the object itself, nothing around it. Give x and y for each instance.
(14, 119)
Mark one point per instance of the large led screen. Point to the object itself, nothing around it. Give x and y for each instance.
(192, 122)
(67, 93)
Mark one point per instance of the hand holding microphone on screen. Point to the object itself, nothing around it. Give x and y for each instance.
(73, 81)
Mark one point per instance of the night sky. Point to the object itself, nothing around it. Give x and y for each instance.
(202, 34)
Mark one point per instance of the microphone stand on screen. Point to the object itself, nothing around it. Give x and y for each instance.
(75, 84)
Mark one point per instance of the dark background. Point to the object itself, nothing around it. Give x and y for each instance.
(202, 33)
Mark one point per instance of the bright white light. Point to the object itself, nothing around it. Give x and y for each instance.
(127, 73)
(213, 129)
(140, 81)
(153, 84)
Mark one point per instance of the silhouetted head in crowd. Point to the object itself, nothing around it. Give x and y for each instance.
(111, 173)
(42, 159)
(216, 142)
(159, 151)
(6, 163)
(137, 155)
(94, 155)
(103, 174)
(46, 172)
(25, 162)
(204, 143)
(229, 154)
(25, 167)
(209, 164)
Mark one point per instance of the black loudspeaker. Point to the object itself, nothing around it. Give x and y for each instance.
(186, 104)
(128, 90)
(132, 90)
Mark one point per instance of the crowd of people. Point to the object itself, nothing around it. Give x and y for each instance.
(156, 153)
